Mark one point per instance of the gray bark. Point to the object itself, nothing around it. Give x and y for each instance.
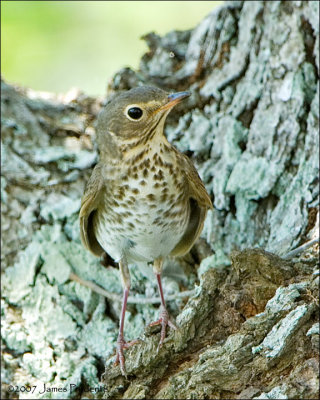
(249, 330)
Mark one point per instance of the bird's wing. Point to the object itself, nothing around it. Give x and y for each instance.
(89, 203)
(199, 201)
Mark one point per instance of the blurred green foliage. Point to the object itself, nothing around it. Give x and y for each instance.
(56, 45)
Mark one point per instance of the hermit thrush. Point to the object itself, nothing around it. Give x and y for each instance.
(144, 200)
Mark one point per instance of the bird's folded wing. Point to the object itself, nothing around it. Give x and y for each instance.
(89, 203)
(199, 202)
(196, 187)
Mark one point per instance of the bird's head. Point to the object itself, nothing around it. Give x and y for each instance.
(132, 118)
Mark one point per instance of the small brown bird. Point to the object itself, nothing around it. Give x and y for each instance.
(144, 200)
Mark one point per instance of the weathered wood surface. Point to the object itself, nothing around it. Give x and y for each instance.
(251, 127)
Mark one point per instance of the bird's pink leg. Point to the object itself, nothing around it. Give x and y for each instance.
(164, 320)
(121, 343)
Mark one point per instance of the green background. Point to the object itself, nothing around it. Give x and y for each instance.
(57, 45)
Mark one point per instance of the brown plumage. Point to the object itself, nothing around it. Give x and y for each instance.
(144, 200)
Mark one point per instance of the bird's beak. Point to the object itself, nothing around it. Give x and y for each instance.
(173, 99)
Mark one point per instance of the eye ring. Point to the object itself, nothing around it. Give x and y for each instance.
(133, 112)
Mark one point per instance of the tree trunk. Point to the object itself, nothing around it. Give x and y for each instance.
(249, 329)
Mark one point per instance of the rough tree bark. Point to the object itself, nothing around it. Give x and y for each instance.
(249, 330)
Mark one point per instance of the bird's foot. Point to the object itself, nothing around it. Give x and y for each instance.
(164, 321)
(121, 345)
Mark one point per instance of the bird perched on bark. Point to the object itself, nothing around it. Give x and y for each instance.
(144, 200)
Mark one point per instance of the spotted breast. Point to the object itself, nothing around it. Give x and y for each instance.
(145, 212)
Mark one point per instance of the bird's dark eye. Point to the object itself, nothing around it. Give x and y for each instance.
(135, 113)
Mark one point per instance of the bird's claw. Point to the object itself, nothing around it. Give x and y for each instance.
(122, 345)
(164, 321)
